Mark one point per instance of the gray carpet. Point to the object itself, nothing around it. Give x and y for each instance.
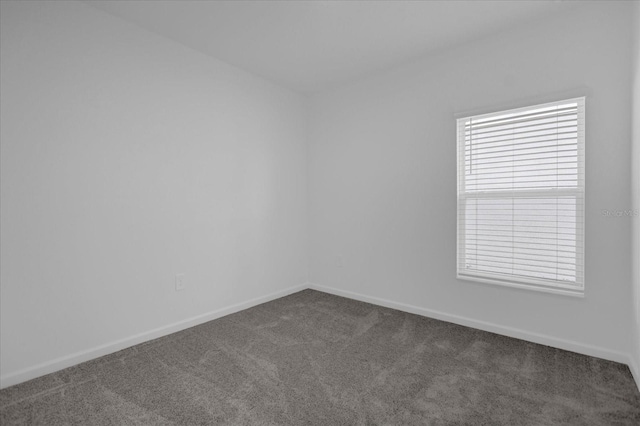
(314, 358)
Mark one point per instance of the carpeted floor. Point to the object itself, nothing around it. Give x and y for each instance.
(314, 358)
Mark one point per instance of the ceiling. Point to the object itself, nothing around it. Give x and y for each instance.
(310, 46)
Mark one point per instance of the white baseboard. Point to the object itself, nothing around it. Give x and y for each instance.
(108, 348)
(555, 342)
(96, 352)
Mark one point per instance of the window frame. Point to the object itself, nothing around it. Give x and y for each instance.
(534, 284)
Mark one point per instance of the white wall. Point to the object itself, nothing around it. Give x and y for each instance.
(127, 158)
(383, 179)
(635, 160)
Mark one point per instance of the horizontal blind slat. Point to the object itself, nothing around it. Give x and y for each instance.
(520, 118)
(512, 137)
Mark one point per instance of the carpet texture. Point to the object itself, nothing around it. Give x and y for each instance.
(314, 358)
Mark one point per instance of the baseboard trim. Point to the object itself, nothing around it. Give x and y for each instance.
(108, 348)
(542, 339)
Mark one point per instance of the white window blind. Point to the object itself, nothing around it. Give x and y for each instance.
(521, 197)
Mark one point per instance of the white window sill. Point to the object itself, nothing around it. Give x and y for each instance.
(532, 287)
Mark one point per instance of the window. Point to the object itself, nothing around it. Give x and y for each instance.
(521, 197)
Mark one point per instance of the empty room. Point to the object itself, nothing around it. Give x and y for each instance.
(319, 212)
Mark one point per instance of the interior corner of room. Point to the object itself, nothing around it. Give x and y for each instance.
(147, 187)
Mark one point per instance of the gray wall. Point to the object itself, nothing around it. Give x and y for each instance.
(383, 179)
(128, 158)
(635, 160)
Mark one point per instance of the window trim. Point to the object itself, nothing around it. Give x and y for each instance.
(527, 283)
